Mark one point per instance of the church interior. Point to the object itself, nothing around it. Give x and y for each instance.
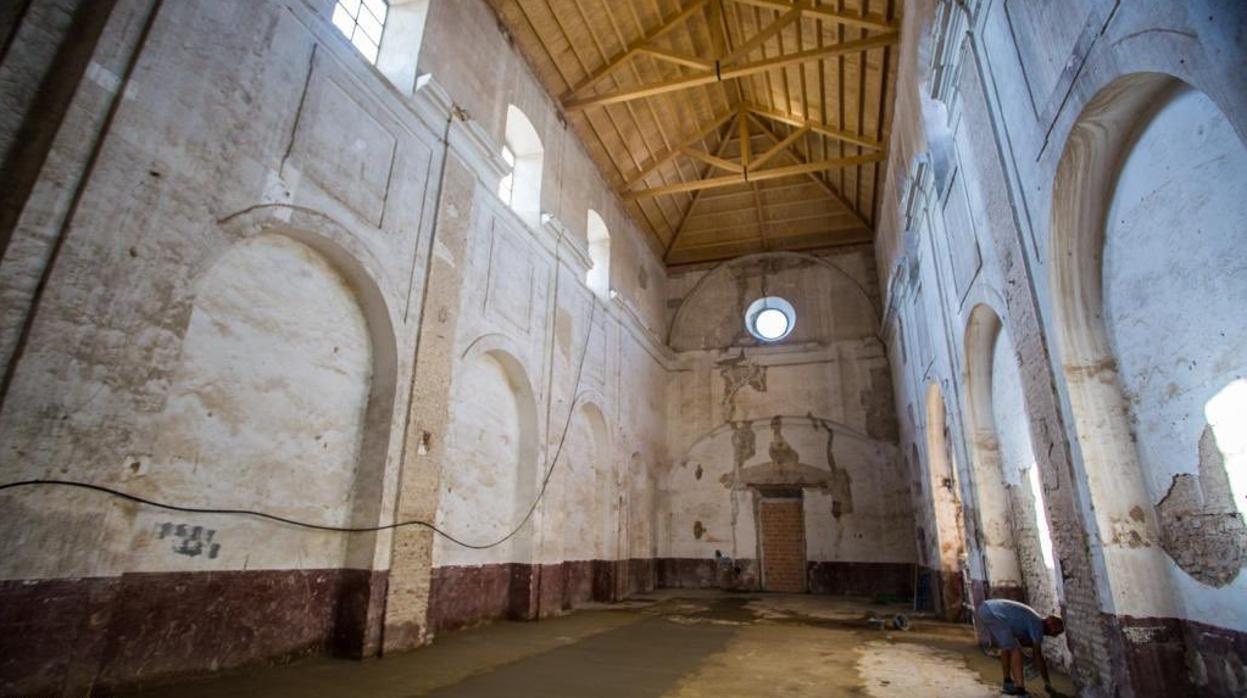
(622, 347)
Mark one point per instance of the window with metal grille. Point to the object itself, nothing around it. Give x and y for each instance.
(362, 21)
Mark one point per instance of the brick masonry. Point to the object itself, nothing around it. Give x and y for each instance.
(782, 525)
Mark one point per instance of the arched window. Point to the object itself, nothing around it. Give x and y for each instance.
(521, 189)
(598, 279)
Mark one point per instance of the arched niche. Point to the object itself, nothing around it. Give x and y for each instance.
(596, 491)
(1146, 280)
(991, 496)
(490, 478)
(285, 383)
(360, 272)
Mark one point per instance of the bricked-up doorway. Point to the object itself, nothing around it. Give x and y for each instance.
(781, 535)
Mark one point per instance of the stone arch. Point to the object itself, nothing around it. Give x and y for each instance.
(361, 270)
(603, 477)
(996, 532)
(494, 452)
(317, 338)
(1096, 202)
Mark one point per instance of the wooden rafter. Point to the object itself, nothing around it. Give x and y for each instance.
(667, 157)
(712, 160)
(758, 176)
(678, 58)
(830, 190)
(637, 46)
(781, 146)
(826, 14)
(791, 15)
(822, 129)
(718, 152)
(732, 73)
(682, 82)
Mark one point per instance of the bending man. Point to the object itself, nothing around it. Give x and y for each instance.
(1011, 626)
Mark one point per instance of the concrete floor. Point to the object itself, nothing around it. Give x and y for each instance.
(678, 643)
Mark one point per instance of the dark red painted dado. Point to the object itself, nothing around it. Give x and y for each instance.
(68, 635)
(1171, 657)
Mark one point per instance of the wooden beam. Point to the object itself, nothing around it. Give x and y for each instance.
(732, 73)
(758, 176)
(671, 154)
(822, 129)
(678, 58)
(633, 48)
(830, 190)
(791, 15)
(781, 146)
(712, 160)
(826, 14)
(742, 122)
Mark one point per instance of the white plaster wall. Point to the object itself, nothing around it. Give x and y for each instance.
(1175, 285)
(479, 500)
(1009, 413)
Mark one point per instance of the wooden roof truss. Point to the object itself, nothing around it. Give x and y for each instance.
(728, 126)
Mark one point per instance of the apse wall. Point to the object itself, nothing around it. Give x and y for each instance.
(808, 418)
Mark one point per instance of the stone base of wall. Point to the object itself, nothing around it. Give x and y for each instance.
(890, 579)
(463, 596)
(73, 635)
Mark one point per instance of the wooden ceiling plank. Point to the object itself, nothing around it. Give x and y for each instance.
(705, 78)
(826, 186)
(696, 195)
(631, 49)
(674, 152)
(793, 14)
(824, 14)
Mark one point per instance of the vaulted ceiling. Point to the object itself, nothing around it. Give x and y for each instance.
(728, 126)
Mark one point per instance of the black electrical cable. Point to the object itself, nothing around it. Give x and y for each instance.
(353, 529)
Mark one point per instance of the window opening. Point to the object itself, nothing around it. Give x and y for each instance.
(362, 22)
(523, 150)
(506, 187)
(770, 318)
(598, 278)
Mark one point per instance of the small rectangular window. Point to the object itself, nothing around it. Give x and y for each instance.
(362, 21)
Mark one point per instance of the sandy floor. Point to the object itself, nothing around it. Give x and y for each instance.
(677, 643)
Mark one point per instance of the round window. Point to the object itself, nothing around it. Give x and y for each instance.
(770, 318)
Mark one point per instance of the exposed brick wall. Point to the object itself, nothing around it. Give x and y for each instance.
(783, 544)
